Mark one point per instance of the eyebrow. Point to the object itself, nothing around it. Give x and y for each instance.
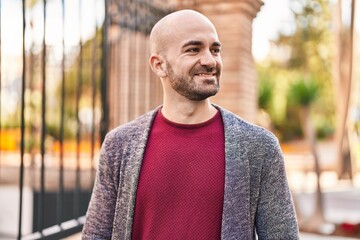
(199, 43)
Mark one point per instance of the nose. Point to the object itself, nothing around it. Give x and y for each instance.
(207, 59)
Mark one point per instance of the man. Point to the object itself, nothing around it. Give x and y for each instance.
(189, 169)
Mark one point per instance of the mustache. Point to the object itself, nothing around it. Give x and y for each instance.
(204, 69)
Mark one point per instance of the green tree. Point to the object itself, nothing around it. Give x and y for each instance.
(304, 52)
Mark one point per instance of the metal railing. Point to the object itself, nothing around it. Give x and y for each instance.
(55, 105)
(56, 118)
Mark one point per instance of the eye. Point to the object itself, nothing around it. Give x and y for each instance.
(215, 50)
(193, 50)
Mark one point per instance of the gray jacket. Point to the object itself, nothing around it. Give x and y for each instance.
(257, 199)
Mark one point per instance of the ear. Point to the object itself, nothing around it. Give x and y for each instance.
(158, 65)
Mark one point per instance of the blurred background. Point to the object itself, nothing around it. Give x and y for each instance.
(71, 70)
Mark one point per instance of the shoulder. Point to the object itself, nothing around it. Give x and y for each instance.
(249, 139)
(236, 126)
(134, 128)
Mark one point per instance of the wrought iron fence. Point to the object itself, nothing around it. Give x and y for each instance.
(61, 74)
(51, 113)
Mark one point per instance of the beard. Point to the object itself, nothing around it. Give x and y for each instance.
(189, 88)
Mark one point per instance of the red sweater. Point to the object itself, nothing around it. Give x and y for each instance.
(181, 185)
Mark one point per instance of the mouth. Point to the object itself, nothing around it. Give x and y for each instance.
(205, 74)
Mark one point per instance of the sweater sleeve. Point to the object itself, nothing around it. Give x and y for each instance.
(275, 218)
(100, 214)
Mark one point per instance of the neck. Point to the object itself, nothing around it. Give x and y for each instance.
(188, 112)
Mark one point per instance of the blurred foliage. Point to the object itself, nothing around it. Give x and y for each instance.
(303, 93)
(78, 83)
(265, 94)
(304, 53)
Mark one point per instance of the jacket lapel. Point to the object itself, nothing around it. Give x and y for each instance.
(129, 175)
(236, 209)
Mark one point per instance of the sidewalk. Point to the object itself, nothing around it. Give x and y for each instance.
(308, 236)
(340, 197)
(340, 205)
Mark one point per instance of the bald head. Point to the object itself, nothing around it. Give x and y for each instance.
(185, 55)
(169, 27)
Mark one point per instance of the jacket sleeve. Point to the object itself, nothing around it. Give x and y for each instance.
(275, 218)
(100, 214)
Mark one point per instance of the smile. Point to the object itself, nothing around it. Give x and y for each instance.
(205, 74)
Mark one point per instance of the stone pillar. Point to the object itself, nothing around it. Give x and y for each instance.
(233, 21)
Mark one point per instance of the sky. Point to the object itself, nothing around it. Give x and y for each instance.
(273, 17)
(11, 24)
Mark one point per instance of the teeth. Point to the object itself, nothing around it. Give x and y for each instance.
(205, 75)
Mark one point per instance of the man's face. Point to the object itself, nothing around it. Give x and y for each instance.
(193, 62)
